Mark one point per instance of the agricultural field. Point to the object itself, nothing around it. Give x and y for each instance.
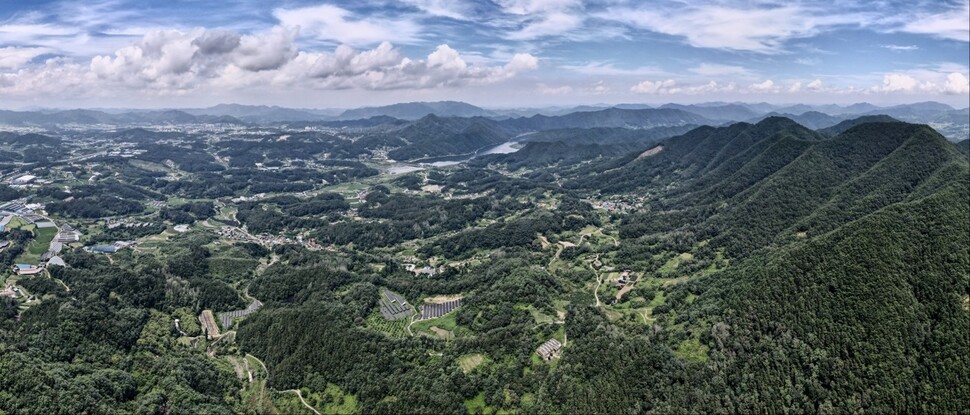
(393, 328)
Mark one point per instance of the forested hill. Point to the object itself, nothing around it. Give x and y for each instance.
(749, 185)
(851, 277)
(611, 117)
(437, 136)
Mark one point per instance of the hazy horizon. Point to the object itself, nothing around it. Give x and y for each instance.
(486, 107)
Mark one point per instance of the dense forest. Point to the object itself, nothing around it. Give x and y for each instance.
(758, 267)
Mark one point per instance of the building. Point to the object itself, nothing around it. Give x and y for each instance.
(55, 260)
(549, 350)
(26, 269)
(27, 178)
(67, 234)
(104, 249)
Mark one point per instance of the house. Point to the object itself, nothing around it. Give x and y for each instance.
(549, 350)
(429, 271)
(26, 269)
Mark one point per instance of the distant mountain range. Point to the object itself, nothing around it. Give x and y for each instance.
(417, 110)
(91, 117)
(952, 123)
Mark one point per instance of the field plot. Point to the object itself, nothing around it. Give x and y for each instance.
(209, 325)
(393, 306)
(393, 328)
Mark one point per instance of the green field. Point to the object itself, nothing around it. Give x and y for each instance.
(393, 328)
(38, 246)
(445, 322)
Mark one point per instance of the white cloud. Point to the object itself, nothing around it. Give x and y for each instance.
(12, 57)
(525, 7)
(455, 9)
(668, 86)
(715, 69)
(599, 88)
(795, 87)
(267, 51)
(956, 84)
(672, 87)
(898, 83)
(173, 63)
(766, 86)
(814, 85)
(757, 29)
(547, 25)
(541, 18)
(901, 48)
(608, 69)
(952, 24)
(331, 23)
(553, 90)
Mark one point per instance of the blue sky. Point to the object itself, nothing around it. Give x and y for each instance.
(498, 53)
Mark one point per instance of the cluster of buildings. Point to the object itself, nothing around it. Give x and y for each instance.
(126, 153)
(27, 180)
(20, 207)
(233, 233)
(626, 277)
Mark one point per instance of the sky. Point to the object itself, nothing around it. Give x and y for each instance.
(493, 53)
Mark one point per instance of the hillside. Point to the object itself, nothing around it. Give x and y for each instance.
(727, 112)
(434, 136)
(847, 124)
(608, 118)
(811, 119)
(844, 246)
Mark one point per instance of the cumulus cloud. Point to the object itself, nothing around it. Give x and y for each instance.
(175, 62)
(956, 84)
(814, 85)
(656, 87)
(766, 86)
(599, 88)
(672, 87)
(953, 83)
(898, 83)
